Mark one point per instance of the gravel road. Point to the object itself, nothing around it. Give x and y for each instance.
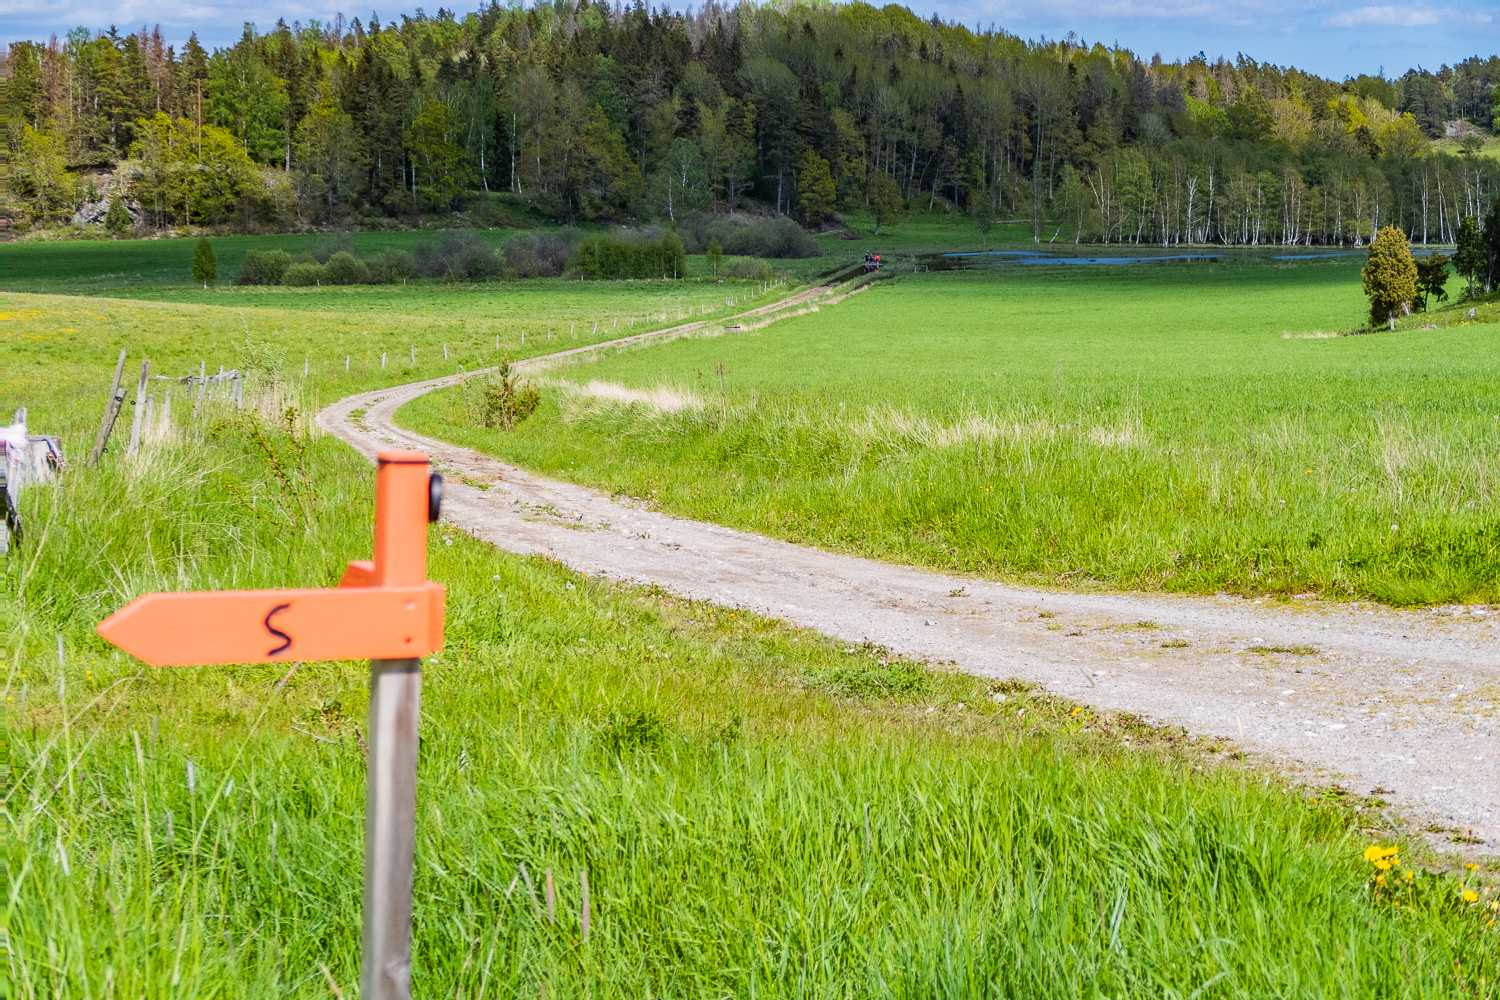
(1401, 701)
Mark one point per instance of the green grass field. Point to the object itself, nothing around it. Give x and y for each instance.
(759, 811)
(1190, 427)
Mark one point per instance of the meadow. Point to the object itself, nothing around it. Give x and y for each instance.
(1179, 426)
(759, 811)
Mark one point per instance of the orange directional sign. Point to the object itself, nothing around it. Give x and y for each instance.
(252, 626)
(382, 609)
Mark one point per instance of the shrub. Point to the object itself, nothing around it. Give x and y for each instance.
(749, 268)
(302, 275)
(263, 267)
(458, 256)
(780, 238)
(529, 255)
(400, 263)
(478, 262)
(632, 256)
(322, 250)
(343, 268)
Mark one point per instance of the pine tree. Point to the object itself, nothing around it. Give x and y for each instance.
(205, 264)
(117, 219)
(1390, 277)
(1469, 260)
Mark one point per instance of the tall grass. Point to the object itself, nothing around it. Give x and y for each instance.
(1150, 429)
(758, 811)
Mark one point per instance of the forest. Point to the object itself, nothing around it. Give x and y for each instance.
(583, 111)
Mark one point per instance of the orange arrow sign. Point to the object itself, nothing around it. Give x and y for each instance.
(256, 626)
(385, 609)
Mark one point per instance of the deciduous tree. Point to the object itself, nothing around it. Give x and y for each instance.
(441, 169)
(681, 184)
(885, 200)
(1490, 234)
(40, 174)
(1432, 278)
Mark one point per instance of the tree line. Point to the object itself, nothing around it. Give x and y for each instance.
(587, 111)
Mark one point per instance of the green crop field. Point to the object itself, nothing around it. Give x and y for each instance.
(759, 811)
(1179, 426)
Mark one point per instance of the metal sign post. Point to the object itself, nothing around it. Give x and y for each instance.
(384, 609)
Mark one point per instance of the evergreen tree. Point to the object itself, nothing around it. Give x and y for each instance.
(205, 264)
(1390, 277)
(117, 219)
(1432, 278)
(329, 151)
(819, 197)
(1469, 260)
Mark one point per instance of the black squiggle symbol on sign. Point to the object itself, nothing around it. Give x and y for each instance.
(286, 640)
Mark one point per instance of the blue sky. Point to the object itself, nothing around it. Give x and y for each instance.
(1334, 38)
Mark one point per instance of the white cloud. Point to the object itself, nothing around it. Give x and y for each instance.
(1393, 16)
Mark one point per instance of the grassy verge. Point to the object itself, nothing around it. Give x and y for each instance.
(1182, 427)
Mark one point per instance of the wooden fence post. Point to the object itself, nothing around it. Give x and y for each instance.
(202, 387)
(140, 409)
(111, 411)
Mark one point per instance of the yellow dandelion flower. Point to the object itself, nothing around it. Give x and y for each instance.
(1470, 896)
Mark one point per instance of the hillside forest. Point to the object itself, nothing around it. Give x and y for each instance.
(583, 111)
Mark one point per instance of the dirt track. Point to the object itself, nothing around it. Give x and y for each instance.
(1399, 700)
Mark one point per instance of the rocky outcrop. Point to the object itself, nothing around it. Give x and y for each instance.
(93, 212)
